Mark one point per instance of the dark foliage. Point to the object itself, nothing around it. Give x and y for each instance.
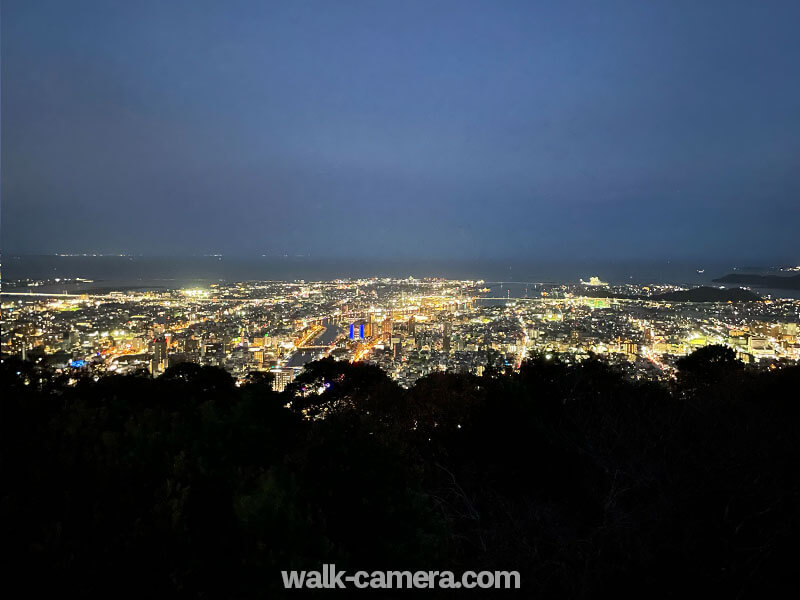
(585, 481)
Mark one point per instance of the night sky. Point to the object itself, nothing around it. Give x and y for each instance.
(402, 129)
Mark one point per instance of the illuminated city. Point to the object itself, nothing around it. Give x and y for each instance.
(409, 327)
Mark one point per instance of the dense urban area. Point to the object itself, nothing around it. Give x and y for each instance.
(409, 327)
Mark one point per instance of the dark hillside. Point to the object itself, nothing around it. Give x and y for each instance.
(586, 482)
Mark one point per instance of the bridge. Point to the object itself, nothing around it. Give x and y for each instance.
(520, 282)
(551, 298)
(45, 294)
(514, 298)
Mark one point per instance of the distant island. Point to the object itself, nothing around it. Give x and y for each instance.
(778, 282)
(709, 294)
(698, 294)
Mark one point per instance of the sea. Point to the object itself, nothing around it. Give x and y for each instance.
(148, 272)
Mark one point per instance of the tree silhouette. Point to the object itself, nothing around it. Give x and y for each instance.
(587, 482)
(710, 360)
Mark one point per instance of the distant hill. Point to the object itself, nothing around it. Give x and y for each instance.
(778, 282)
(709, 294)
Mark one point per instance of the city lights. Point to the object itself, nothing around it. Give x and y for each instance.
(408, 327)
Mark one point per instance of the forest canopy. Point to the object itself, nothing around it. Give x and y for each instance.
(585, 481)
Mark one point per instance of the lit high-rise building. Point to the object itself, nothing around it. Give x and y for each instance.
(160, 358)
(386, 329)
(282, 378)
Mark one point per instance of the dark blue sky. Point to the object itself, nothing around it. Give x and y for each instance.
(413, 129)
